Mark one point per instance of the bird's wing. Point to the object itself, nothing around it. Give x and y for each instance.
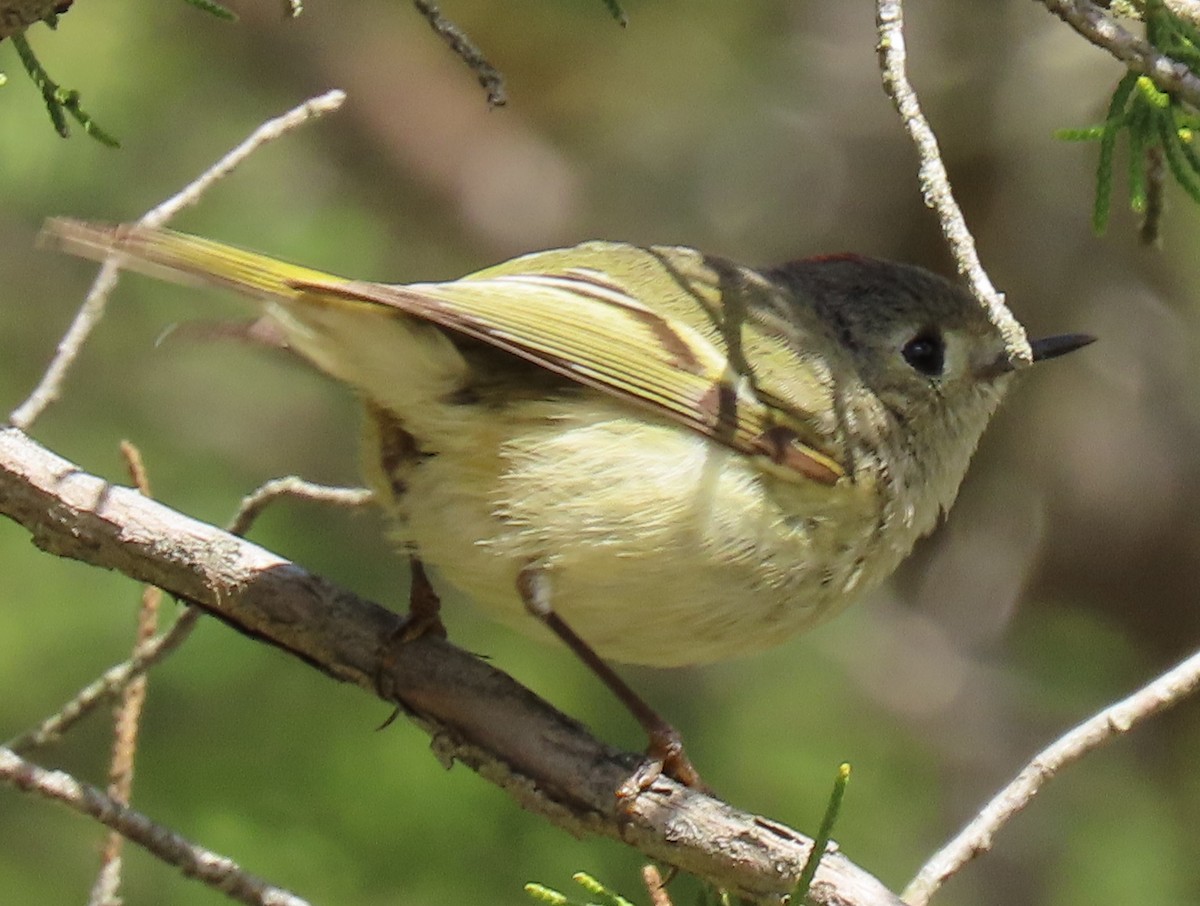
(581, 323)
(572, 311)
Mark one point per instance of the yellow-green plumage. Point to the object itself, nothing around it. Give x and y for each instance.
(704, 459)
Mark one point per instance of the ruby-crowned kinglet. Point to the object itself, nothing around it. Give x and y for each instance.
(698, 459)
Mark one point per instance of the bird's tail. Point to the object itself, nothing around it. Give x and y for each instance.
(181, 258)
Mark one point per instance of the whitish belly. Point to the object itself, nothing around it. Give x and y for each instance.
(661, 547)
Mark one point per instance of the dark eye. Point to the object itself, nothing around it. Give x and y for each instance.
(926, 353)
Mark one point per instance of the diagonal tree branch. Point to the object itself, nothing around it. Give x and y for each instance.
(1116, 720)
(476, 715)
(194, 861)
(1091, 21)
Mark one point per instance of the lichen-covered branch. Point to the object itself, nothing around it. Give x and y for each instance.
(934, 181)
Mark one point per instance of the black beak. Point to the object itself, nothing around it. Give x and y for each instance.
(1053, 347)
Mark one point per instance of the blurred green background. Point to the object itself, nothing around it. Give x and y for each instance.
(1068, 573)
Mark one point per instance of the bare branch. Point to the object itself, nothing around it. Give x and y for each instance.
(109, 684)
(292, 486)
(92, 310)
(935, 184)
(1114, 721)
(656, 887)
(194, 861)
(476, 715)
(127, 716)
(17, 15)
(456, 39)
(1093, 23)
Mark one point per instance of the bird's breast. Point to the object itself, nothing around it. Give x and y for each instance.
(662, 547)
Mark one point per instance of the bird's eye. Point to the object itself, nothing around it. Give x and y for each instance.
(926, 353)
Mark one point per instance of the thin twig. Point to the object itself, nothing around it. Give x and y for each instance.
(213, 8)
(127, 716)
(1156, 198)
(292, 486)
(92, 310)
(1116, 720)
(107, 685)
(1092, 22)
(656, 887)
(456, 39)
(618, 14)
(935, 184)
(194, 861)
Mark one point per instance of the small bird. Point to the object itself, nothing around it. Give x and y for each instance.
(664, 457)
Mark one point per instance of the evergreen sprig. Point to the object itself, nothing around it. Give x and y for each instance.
(1156, 125)
(824, 834)
(60, 102)
(216, 9)
(552, 897)
(65, 102)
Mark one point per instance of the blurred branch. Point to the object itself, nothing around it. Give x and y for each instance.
(92, 310)
(656, 887)
(18, 15)
(215, 9)
(1156, 175)
(1093, 23)
(615, 10)
(490, 78)
(1185, 9)
(475, 714)
(109, 684)
(934, 181)
(127, 716)
(194, 861)
(456, 39)
(1116, 720)
(292, 486)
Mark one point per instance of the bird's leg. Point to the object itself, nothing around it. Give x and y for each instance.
(423, 618)
(394, 454)
(424, 615)
(666, 745)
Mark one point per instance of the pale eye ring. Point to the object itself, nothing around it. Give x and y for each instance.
(926, 353)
